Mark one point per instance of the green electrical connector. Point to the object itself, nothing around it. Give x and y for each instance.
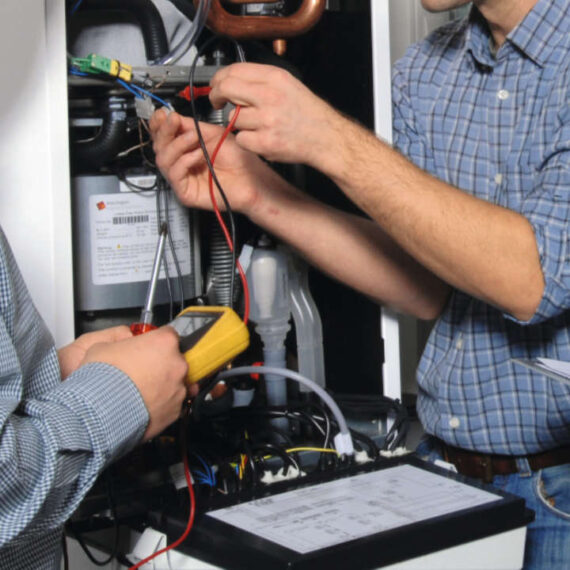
(96, 64)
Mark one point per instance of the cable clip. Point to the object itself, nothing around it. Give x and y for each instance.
(343, 443)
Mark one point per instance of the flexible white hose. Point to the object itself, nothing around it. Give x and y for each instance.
(190, 37)
(345, 442)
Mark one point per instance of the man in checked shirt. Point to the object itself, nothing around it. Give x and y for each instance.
(66, 415)
(468, 224)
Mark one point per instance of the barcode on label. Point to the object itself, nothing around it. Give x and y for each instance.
(117, 220)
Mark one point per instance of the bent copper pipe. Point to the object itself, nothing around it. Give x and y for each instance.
(263, 27)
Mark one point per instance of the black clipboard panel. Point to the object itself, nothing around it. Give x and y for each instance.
(225, 545)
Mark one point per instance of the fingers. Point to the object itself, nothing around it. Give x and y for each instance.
(164, 128)
(193, 390)
(181, 169)
(243, 84)
(157, 120)
(120, 332)
(251, 72)
(234, 90)
(249, 119)
(169, 150)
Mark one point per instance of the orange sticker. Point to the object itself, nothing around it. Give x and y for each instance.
(101, 205)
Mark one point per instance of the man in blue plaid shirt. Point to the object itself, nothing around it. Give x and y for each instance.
(468, 224)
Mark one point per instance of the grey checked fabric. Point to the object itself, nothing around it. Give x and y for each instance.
(55, 437)
(497, 127)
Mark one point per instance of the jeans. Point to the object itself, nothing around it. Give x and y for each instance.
(547, 493)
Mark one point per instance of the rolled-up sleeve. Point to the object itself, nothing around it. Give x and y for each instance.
(406, 136)
(547, 208)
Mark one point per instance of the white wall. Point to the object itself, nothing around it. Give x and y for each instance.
(34, 172)
(409, 23)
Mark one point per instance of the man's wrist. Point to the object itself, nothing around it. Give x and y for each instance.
(339, 146)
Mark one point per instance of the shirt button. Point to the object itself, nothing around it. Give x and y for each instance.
(498, 178)
(459, 342)
(503, 94)
(454, 422)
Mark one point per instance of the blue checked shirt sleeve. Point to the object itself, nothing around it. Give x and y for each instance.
(53, 447)
(407, 136)
(547, 208)
(55, 437)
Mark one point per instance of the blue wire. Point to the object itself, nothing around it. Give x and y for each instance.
(77, 4)
(74, 71)
(201, 477)
(155, 97)
(141, 92)
(129, 88)
(209, 470)
(134, 89)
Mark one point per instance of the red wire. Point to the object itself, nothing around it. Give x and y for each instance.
(227, 131)
(188, 526)
(245, 319)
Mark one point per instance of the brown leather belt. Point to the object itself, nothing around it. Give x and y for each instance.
(481, 466)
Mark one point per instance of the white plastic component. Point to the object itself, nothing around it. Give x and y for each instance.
(292, 473)
(178, 476)
(361, 457)
(144, 107)
(445, 465)
(245, 257)
(152, 541)
(398, 452)
(242, 398)
(268, 282)
(308, 324)
(343, 443)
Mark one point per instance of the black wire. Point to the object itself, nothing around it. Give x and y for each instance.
(310, 419)
(159, 222)
(250, 460)
(229, 211)
(135, 188)
(198, 400)
(273, 430)
(79, 538)
(275, 450)
(65, 553)
(378, 404)
(322, 410)
(173, 253)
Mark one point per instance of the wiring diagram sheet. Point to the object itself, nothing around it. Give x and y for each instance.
(331, 513)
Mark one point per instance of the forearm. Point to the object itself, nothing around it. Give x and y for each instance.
(53, 447)
(349, 248)
(485, 250)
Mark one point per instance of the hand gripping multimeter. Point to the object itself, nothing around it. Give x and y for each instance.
(209, 338)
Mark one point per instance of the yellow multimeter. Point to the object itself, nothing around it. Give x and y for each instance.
(209, 338)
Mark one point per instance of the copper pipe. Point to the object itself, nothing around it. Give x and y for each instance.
(250, 2)
(263, 27)
(279, 46)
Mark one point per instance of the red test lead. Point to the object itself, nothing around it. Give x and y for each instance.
(198, 92)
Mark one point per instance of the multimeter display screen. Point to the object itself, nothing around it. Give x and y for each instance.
(191, 322)
(192, 326)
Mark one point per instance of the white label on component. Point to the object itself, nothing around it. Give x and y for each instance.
(335, 512)
(124, 236)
